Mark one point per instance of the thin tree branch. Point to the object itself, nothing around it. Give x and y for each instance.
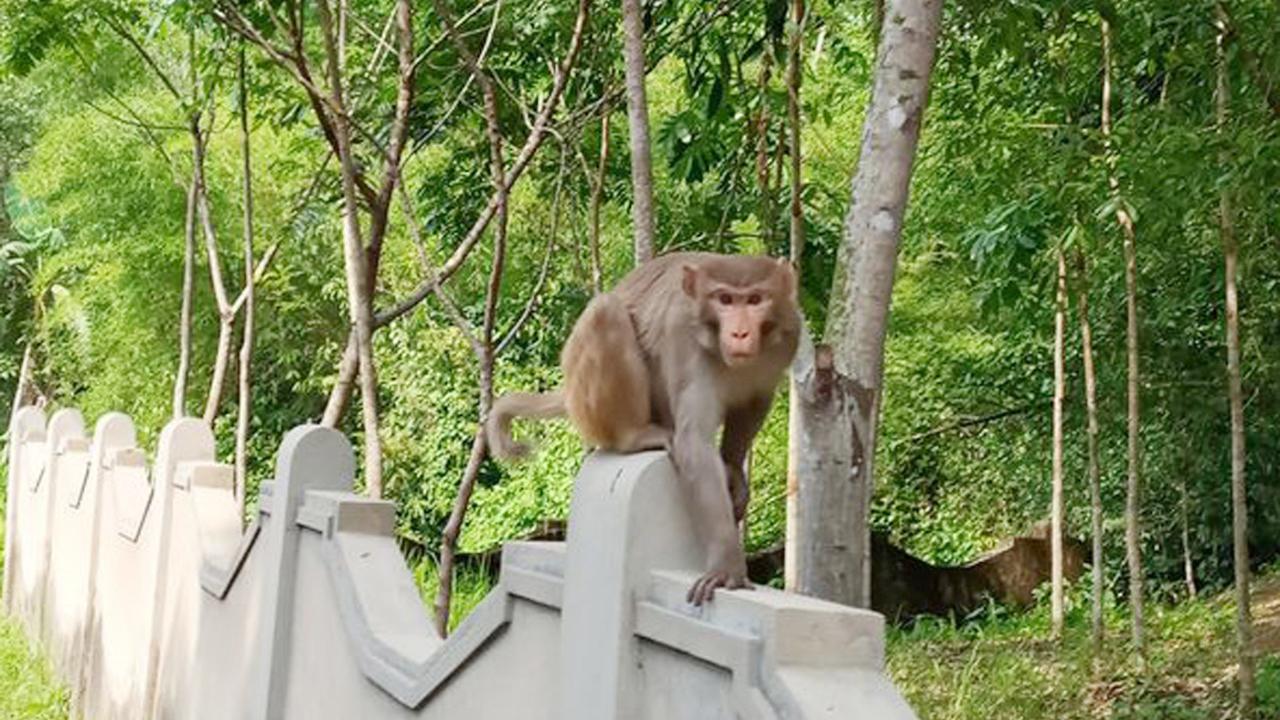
(294, 62)
(974, 422)
(259, 272)
(244, 409)
(450, 306)
(536, 295)
(150, 61)
(517, 168)
(434, 44)
(147, 128)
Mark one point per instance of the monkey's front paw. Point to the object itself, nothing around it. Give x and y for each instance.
(705, 586)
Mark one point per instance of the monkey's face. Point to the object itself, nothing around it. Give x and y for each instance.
(741, 316)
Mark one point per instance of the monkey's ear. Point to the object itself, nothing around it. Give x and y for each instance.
(689, 282)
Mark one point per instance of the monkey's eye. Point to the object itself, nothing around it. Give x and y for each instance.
(753, 299)
(725, 299)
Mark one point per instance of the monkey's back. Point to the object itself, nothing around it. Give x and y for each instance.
(606, 377)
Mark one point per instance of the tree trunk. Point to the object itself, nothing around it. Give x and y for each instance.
(484, 349)
(340, 395)
(1097, 627)
(1235, 394)
(597, 197)
(6, 222)
(452, 530)
(837, 435)
(1059, 393)
(1133, 495)
(638, 120)
(359, 299)
(766, 211)
(1188, 565)
(23, 392)
(226, 329)
(226, 317)
(189, 247)
(188, 300)
(794, 426)
(795, 71)
(245, 403)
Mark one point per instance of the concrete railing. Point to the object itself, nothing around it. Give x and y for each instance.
(154, 602)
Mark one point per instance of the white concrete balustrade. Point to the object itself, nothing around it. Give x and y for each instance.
(155, 601)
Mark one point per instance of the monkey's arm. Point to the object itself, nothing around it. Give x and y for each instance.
(741, 425)
(702, 473)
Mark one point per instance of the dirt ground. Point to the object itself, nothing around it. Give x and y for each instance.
(1266, 617)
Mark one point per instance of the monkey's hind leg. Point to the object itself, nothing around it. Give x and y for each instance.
(606, 380)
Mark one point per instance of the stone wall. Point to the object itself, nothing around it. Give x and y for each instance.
(155, 600)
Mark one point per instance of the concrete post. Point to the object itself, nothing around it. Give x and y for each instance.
(311, 458)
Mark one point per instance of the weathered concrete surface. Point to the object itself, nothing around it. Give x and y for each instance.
(158, 604)
(70, 547)
(24, 516)
(119, 647)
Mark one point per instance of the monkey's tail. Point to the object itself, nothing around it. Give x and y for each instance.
(511, 406)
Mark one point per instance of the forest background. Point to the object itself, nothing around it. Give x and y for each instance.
(98, 101)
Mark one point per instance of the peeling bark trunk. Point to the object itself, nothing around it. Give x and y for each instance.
(244, 410)
(638, 119)
(1097, 627)
(828, 538)
(1235, 395)
(838, 421)
(1059, 393)
(1133, 494)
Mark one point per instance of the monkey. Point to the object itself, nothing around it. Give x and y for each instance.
(686, 343)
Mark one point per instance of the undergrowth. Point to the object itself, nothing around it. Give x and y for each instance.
(1002, 664)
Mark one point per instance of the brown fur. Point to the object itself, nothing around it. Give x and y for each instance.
(687, 342)
(606, 381)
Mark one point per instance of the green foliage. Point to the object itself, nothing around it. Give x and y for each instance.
(1011, 165)
(28, 689)
(469, 587)
(1269, 687)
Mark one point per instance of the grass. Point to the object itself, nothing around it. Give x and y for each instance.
(28, 688)
(470, 585)
(1004, 665)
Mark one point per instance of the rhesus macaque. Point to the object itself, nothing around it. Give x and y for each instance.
(687, 342)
